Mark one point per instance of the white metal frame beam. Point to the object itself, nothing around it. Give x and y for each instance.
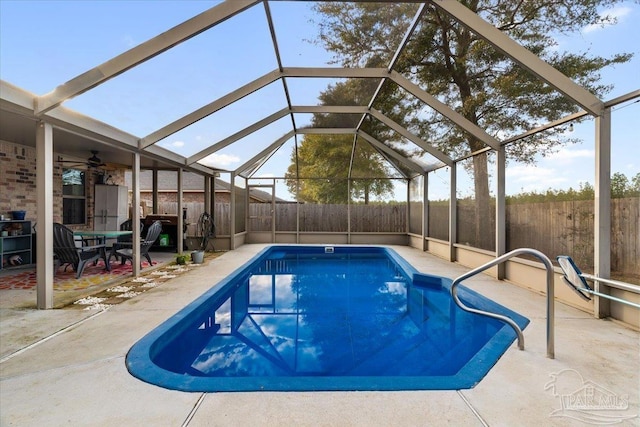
(331, 109)
(141, 53)
(411, 137)
(264, 153)
(209, 109)
(237, 136)
(325, 131)
(391, 152)
(335, 73)
(521, 55)
(445, 110)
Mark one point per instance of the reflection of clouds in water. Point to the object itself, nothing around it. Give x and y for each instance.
(285, 295)
(309, 358)
(236, 359)
(222, 357)
(396, 288)
(260, 289)
(223, 317)
(281, 332)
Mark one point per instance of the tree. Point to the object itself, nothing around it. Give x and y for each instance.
(635, 185)
(464, 71)
(619, 185)
(328, 157)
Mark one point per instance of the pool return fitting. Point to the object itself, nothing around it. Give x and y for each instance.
(550, 295)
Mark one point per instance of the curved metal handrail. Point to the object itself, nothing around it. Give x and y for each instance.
(550, 295)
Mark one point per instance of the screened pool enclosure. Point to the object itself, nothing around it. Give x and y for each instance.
(362, 146)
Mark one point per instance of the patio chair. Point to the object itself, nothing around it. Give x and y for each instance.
(125, 251)
(125, 226)
(67, 251)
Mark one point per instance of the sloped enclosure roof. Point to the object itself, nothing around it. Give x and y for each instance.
(251, 40)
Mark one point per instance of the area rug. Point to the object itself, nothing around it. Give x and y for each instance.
(66, 280)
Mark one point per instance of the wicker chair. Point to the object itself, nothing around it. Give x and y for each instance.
(125, 252)
(67, 252)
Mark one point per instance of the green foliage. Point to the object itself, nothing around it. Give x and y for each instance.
(325, 163)
(620, 188)
(619, 185)
(464, 71)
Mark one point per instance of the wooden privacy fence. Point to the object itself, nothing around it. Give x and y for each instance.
(321, 218)
(329, 218)
(567, 228)
(554, 228)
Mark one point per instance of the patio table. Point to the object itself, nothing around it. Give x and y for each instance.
(101, 237)
(102, 234)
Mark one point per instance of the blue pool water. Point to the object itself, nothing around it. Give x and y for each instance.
(298, 318)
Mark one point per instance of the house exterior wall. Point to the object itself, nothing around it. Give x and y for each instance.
(18, 184)
(18, 181)
(187, 197)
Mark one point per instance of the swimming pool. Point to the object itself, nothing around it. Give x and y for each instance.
(300, 318)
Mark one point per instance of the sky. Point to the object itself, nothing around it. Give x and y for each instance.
(46, 43)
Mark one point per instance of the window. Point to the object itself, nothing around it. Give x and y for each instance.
(73, 196)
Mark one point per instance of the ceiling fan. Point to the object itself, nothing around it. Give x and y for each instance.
(93, 162)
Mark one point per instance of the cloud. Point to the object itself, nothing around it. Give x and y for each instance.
(171, 145)
(615, 14)
(566, 155)
(128, 41)
(220, 160)
(529, 173)
(533, 178)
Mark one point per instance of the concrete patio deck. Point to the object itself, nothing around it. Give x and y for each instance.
(67, 367)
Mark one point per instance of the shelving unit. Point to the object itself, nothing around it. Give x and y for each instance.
(18, 243)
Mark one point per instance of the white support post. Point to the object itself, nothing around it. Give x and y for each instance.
(246, 200)
(501, 218)
(44, 191)
(273, 210)
(602, 209)
(425, 211)
(207, 195)
(453, 214)
(180, 233)
(232, 212)
(298, 210)
(135, 209)
(348, 211)
(154, 186)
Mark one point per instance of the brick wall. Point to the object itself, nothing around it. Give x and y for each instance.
(187, 197)
(18, 184)
(18, 181)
